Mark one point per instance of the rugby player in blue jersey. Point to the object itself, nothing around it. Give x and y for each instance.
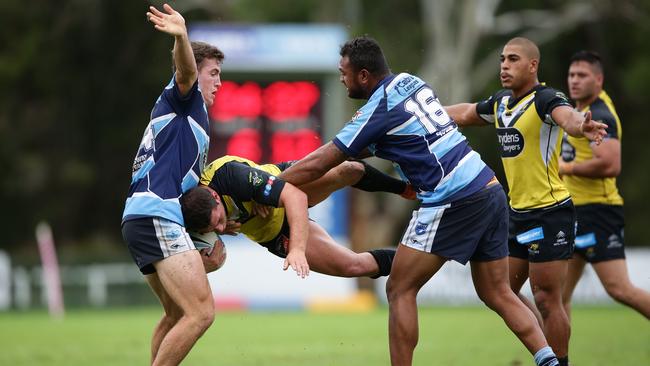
(169, 162)
(463, 214)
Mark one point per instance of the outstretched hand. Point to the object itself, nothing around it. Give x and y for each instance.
(171, 22)
(298, 262)
(594, 131)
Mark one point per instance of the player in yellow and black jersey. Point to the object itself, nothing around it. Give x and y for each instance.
(589, 172)
(529, 118)
(231, 187)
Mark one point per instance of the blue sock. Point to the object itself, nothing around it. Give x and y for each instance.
(546, 357)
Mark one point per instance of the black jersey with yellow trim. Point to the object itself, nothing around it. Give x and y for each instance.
(240, 182)
(530, 144)
(585, 190)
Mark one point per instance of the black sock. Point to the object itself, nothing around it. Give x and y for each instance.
(375, 181)
(384, 258)
(564, 361)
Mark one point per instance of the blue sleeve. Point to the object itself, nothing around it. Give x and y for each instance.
(172, 95)
(366, 127)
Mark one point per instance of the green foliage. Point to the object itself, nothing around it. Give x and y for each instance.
(448, 336)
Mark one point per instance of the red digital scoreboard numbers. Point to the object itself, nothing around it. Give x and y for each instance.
(266, 121)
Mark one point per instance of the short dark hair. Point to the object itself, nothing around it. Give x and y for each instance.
(202, 51)
(590, 57)
(197, 205)
(365, 53)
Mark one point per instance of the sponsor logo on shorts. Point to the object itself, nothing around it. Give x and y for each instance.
(421, 228)
(586, 240)
(531, 236)
(614, 242)
(173, 234)
(533, 249)
(560, 239)
(176, 245)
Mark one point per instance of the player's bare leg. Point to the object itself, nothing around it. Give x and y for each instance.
(184, 279)
(411, 270)
(518, 274)
(614, 277)
(492, 286)
(172, 313)
(576, 267)
(547, 283)
(325, 256)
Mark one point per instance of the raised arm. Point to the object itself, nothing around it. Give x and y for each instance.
(578, 124)
(314, 165)
(465, 114)
(171, 22)
(294, 202)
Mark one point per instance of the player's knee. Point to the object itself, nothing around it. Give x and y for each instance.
(396, 291)
(546, 302)
(618, 291)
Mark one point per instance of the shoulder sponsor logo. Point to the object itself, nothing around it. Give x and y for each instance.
(407, 85)
(269, 185)
(511, 141)
(531, 236)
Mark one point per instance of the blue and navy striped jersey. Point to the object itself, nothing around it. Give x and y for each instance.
(171, 156)
(404, 122)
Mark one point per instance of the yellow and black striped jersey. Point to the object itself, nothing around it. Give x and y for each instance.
(530, 144)
(585, 190)
(239, 182)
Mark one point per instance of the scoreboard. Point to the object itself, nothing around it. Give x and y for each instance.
(266, 121)
(280, 97)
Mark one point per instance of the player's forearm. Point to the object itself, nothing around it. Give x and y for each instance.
(593, 168)
(464, 114)
(569, 119)
(186, 70)
(297, 216)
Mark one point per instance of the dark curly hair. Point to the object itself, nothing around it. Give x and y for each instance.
(365, 53)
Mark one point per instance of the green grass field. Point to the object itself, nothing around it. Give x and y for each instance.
(448, 336)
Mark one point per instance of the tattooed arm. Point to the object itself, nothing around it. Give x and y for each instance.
(314, 165)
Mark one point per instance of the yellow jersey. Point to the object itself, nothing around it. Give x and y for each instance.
(585, 190)
(239, 182)
(530, 143)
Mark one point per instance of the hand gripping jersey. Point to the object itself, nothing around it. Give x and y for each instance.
(404, 122)
(171, 155)
(585, 190)
(530, 144)
(239, 182)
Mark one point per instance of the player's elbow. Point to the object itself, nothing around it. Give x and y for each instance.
(612, 170)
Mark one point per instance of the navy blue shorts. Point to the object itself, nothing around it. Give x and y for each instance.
(600, 232)
(474, 228)
(543, 235)
(151, 239)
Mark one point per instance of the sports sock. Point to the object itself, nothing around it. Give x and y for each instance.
(546, 357)
(375, 181)
(384, 258)
(564, 361)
